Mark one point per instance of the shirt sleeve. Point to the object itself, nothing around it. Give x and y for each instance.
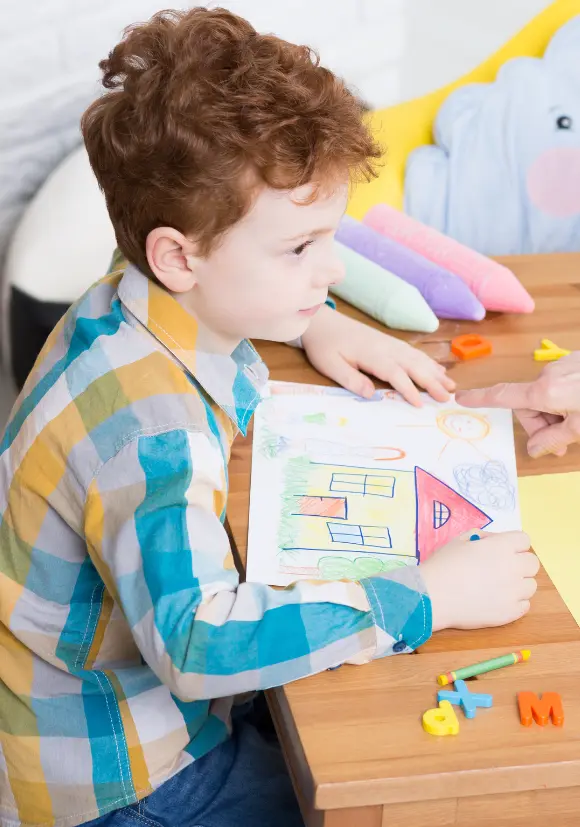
(153, 525)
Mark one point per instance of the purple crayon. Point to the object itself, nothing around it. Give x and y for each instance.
(445, 293)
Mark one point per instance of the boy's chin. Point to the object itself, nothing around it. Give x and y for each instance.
(289, 331)
(280, 330)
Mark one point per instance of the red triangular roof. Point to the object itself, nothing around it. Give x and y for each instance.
(434, 500)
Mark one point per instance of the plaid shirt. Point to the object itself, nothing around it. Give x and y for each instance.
(124, 630)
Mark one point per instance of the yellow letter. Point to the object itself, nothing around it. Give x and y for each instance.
(441, 721)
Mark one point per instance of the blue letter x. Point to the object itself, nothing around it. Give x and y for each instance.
(464, 698)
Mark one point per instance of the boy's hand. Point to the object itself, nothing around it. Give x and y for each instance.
(341, 348)
(488, 582)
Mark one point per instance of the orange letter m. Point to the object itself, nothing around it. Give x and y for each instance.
(540, 710)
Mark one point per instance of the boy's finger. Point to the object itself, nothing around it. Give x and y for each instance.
(432, 383)
(520, 539)
(515, 541)
(437, 390)
(529, 562)
(529, 588)
(473, 532)
(402, 383)
(442, 374)
(350, 378)
(478, 531)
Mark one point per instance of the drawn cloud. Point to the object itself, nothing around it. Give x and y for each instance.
(486, 485)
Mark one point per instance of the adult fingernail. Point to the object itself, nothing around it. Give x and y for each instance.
(536, 452)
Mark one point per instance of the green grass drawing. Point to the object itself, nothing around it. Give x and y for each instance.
(315, 418)
(341, 568)
(296, 477)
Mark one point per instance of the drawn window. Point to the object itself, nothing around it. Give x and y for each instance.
(441, 514)
(379, 485)
(321, 507)
(375, 536)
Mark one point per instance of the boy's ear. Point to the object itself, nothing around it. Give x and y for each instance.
(172, 257)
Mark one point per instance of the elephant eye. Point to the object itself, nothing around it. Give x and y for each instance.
(564, 122)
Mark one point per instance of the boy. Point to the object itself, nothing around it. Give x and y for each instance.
(225, 158)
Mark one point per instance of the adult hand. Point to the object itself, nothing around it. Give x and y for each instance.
(549, 408)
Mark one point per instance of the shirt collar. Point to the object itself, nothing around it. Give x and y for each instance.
(234, 382)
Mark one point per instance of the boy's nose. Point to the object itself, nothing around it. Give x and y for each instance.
(336, 271)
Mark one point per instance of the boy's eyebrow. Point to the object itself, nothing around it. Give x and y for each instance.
(319, 231)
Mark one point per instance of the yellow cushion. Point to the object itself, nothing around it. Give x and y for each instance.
(402, 128)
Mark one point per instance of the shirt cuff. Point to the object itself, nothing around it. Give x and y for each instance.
(401, 610)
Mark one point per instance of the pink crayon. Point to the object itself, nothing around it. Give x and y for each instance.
(495, 286)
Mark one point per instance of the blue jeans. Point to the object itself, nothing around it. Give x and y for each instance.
(240, 783)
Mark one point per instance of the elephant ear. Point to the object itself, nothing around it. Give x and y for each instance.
(564, 48)
(521, 83)
(519, 69)
(460, 104)
(426, 186)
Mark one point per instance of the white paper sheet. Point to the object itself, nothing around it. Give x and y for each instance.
(345, 488)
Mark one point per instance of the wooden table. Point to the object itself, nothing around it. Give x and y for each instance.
(352, 737)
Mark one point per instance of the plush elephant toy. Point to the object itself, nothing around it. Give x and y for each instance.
(504, 174)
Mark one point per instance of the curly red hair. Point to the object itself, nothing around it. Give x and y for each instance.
(199, 106)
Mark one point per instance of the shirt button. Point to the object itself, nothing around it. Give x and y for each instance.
(400, 646)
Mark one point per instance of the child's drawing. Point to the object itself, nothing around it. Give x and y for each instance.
(488, 484)
(386, 514)
(349, 491)
(462, 425)
(323, 450)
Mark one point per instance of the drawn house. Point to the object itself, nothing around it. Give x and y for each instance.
(344, 510)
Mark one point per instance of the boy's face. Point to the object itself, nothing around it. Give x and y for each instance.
(271, 272)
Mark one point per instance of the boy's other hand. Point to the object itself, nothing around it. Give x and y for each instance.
(342, 348)
(473, 585)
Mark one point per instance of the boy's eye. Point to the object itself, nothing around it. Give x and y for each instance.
(297, 251)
